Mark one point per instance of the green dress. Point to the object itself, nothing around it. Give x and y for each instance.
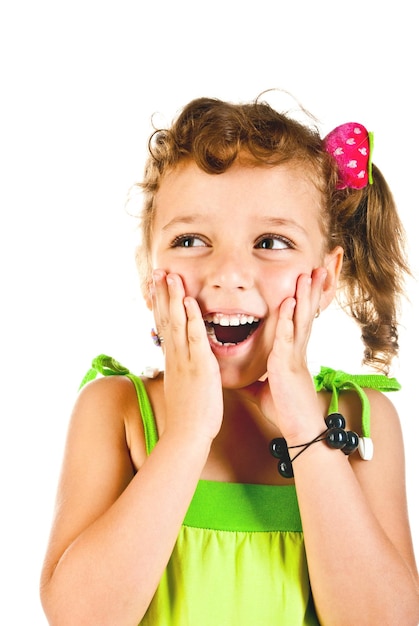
(239, 558)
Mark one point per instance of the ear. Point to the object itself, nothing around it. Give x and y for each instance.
(333, 264)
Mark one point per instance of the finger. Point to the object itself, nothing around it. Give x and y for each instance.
(285, 325)
(287, 309)
(196, 330)
(160, 301)
(318, 276)
(308, 297)
(303, 294)
(177, 314)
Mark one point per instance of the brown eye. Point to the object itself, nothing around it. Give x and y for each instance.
(188, 241)
(273, 242)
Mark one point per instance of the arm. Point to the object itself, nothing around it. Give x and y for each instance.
(356, 530)
(114, 531)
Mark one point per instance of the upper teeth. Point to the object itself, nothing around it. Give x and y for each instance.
(230, 320)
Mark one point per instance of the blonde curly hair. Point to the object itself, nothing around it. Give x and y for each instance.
(365, 222)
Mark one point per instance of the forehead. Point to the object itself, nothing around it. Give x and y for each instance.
(244, 190)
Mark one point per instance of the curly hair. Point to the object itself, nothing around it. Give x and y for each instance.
(214, 134)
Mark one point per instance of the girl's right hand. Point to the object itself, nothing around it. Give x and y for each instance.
(192, 380)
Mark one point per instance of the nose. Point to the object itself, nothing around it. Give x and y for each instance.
(230, 270)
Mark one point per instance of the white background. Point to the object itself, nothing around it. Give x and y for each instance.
(79, 82)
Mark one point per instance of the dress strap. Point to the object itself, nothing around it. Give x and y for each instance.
(107, 366)
(332, 380)
(336, 381)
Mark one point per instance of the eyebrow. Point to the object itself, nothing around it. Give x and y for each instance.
(270, 220)
(190, 218)
(281, 221)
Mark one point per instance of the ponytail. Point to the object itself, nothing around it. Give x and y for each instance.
(366, 223)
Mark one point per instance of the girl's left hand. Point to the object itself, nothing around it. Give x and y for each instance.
(287, 397)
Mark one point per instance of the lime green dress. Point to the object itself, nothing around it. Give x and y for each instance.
(239, 558)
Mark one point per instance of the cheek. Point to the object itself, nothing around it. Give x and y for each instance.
(171, 266)
(279, 285)
(191, 282)
(190, 285)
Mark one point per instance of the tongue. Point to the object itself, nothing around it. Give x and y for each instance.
(232, 334)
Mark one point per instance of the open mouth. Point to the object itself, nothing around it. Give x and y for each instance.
(229, 330)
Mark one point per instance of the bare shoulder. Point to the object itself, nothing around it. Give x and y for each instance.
(101, 413)
(97, 447)
(384, 418)
(113, 391)
(108, 408)
(381, 404)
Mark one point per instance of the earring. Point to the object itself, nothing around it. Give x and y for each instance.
(317, 313)
(157, 339)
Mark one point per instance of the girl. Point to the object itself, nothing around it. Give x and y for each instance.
(171, 509)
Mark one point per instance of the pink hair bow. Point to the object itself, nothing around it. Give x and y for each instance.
(351, 146)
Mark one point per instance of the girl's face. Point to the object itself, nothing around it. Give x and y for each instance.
(239, 240)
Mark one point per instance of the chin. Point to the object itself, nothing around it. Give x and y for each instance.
(235, 378)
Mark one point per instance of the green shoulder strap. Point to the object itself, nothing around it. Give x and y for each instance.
(328, 378)
(336, 381)
(107, 366)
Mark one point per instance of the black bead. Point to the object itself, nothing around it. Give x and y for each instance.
(285, 469)
(279, 448)
(335, 420)
(352, 442)
(336, 438)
